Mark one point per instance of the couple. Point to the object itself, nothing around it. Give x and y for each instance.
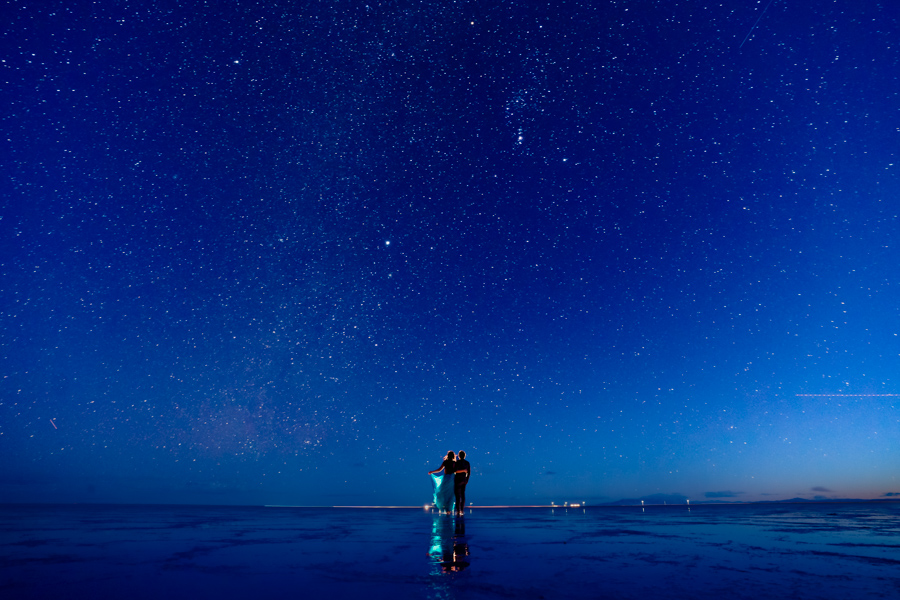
(452, 484)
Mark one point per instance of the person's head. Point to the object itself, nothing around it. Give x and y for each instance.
(450, 455)
(462, 453)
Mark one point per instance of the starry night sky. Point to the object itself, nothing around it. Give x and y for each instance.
(294, 252)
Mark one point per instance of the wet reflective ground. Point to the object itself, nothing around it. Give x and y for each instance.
(745, 551)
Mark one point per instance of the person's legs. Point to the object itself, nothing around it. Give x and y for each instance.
(460, 491)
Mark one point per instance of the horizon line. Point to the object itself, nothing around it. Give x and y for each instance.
(614, 504)
(430, 507)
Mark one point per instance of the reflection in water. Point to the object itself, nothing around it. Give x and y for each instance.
(449, 547)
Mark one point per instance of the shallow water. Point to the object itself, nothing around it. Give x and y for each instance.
(733, 551)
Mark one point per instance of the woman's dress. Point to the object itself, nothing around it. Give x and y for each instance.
(444, 498)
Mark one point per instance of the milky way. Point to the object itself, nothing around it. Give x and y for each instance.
(294, 254)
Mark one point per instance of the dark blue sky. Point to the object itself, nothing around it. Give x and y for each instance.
(293, 253)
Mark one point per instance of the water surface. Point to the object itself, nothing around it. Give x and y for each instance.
(730, 551)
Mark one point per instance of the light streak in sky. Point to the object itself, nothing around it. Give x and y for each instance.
(54, 424)
(846, 395)
(746, 37)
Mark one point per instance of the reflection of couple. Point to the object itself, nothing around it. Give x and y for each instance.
(450, 488)
(449, 547)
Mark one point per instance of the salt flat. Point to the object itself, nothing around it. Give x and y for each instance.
(710, 551)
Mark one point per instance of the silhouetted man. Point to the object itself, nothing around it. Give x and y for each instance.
(463, 471)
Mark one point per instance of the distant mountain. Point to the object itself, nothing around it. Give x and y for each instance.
(822, 500)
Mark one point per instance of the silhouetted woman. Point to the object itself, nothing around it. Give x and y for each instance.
(444, 498)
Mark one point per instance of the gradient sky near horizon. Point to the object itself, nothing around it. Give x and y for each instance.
(294, 252)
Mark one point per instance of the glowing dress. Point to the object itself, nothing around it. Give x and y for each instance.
(444, 498)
